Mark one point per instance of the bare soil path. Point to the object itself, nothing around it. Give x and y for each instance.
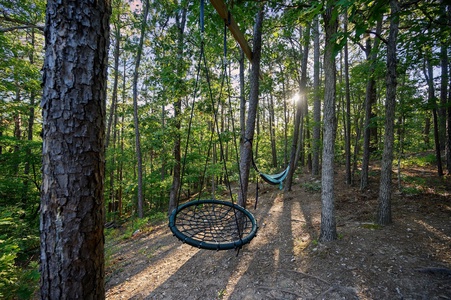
(410, 259)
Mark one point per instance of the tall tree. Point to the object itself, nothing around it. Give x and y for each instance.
(371, 52)
(246, 146)
(328, 230)
(73, 103)
(348, 106)
(444, 89)
(432, 103)
(301, 111)
(316, 142)
(177, 171)
(135, 109)
(384, 216)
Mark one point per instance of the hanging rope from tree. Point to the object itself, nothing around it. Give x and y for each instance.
(211, 224)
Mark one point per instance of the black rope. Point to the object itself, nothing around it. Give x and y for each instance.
(206, 223)
(196, 86)
(215, 113)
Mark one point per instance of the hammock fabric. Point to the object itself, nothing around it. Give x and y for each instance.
(276, 179)
(213, 224)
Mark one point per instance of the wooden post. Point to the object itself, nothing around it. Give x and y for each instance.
(222, 10)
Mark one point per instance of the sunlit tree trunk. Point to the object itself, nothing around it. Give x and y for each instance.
(301, 111)
(73, 104)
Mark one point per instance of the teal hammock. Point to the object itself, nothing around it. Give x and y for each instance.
(276, 179)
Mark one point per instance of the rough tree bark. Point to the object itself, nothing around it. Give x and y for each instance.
(384, 207)
(328, 230)
(73, 108)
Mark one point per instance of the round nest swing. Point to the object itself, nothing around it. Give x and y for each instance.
(213, 224)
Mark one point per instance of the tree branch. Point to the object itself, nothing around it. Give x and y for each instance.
(41, 28)
(24, 25)
(377, 35)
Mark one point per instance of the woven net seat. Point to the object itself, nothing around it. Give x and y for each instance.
(213, 224)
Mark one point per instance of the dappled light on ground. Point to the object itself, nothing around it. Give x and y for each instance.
(408, 259)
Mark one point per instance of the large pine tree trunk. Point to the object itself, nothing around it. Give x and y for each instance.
(72, 202)
(328, 230)
(384, 209)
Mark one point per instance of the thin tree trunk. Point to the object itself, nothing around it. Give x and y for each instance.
(427, 131)
(285, 120)
(384, 215)
(135, 109)
(73, 105)
(176, 177)
(272, 130)
(428, 74)
(370, 100)
(17, 130)
(328, 231)
(444, 101)
(348, 108)
(112, 118)
(30, 129)
(301, 111)
(242, 97)
(316, 142)
(246, 147)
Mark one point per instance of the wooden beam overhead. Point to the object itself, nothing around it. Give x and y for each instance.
(223, 12)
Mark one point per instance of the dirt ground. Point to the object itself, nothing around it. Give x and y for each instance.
(410, 259)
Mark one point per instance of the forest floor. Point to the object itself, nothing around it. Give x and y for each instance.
(410, 259)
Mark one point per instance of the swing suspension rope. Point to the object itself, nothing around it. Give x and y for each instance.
(211, 224)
